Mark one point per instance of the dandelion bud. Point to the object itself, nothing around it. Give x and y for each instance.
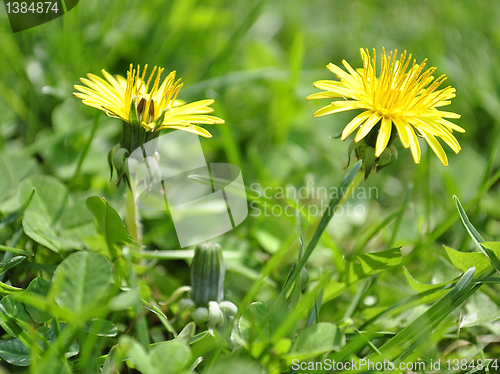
(207, 274)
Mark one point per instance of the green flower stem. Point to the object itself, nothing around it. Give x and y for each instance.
(139, 310)
(350, 182)
(132, 218)
(85, 150)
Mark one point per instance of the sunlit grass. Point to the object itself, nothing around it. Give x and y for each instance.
(257, 60)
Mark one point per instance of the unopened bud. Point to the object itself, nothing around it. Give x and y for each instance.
(207, 274)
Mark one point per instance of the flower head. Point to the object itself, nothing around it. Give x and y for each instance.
(402, 98)
(141, 101)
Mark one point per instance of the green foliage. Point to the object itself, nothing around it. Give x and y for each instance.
(40, 287)
(49, 218)
(315, 340)
(81, 281)
(167, 357)
(5, 289)
(110, 225)
(363, 266)
(80, 292)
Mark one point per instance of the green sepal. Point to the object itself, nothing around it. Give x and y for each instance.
(160, 119)
(119, 158)
(352, 147)
(367, 154)
(111, 154)
(133, 117)
(387, 157)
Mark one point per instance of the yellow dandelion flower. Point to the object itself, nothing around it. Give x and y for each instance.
(136, 100)
(402, 96)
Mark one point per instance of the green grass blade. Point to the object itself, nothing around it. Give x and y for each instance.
(327, 216)
(476, 236)
(427, 322)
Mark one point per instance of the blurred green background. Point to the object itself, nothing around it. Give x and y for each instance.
(258, 60)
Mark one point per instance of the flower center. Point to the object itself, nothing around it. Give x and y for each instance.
(146, 110)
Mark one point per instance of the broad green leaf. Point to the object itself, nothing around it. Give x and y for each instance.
(4, 266)
(40, 287)
(136, 354)
(114, 360)
(165, 358)
(38, 228)
(186, 334)
(110, 225)
(465, 260)
(20, 165)
(100, 327)
(480, 310)
(198, 337)
(72, 349)
(14, 352)
(17, 213)
(124, 300)
(81, 280)
(49, 218)
(255, 323)
(5, 289)
(57, 238)
(315, 340)
(476, 237)
(361, 267)
(368, 264)
(169, 358)
(258, 323)
(49, 199)
(13, 316)
(493, 247)
(405, 342)
(422, 287)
